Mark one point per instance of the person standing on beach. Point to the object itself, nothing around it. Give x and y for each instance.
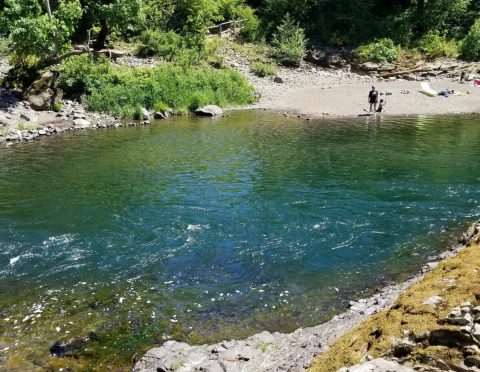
(373, 99)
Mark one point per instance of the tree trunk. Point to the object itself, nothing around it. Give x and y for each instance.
(102, 35)
(420, 15)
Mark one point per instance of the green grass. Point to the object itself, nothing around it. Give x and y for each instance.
(122, 90)
(263, 68)
(23, 125)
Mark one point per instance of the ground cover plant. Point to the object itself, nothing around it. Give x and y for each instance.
(122, 90)
(263, 68)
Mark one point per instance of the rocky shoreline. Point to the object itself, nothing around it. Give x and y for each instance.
(283, 352)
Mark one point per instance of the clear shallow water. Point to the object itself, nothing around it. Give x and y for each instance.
(200, 229)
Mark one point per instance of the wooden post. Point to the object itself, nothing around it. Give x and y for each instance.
(234, 27)
(220, 30)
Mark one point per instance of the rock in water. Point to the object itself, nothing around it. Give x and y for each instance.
(161, 115)
(70, 347)
(210, 110)
(145, 114)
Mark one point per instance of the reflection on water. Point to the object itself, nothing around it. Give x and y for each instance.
(201, 229)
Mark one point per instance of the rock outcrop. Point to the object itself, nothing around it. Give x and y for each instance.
(43, 93)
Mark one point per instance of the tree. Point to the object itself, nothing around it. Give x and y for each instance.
(289, 42)
(38, 35)
(109, 15)
(471, 44)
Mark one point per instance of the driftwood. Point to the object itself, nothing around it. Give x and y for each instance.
(419, 70)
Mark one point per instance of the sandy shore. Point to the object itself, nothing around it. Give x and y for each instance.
(351, 100)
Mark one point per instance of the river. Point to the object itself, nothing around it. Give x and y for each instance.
(199, 229)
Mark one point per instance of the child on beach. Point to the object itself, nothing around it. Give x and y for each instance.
(381, 106)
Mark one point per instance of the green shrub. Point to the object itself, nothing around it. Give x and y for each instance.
(122, 90)
(263, 68)
(136, 111)
(4, 47)
(289, 43)
(160, 107)
(82, 74)
(251, 26)
(57, 107)
(471, 43)
(383, 50)
(159, 44)
(435, 46)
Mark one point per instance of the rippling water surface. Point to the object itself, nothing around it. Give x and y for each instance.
(200, 229)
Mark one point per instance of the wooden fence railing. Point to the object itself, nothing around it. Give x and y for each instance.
(230, 27)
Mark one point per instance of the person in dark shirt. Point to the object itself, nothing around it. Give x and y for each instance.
(373, 99)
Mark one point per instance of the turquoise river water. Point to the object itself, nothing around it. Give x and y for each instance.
(198, 229)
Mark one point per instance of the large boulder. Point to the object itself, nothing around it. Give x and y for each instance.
(145, 114)
(210, 110)
(42, 94)
(41, 101)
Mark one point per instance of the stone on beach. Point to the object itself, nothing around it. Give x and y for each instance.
(378, 365)
(81, 123)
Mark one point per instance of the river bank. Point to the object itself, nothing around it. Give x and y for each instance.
(310, 92)
(434, 325)
(297, 351)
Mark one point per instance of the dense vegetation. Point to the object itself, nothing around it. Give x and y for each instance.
(124, 91)
(41, 33)
(436, 27)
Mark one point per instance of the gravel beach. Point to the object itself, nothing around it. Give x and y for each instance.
(351, 100)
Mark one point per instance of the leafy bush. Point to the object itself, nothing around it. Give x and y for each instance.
(82, 74)
(160, 107)
(57, 106)
(383, 50)
(4, 48)
(160, 44)
(263, 68)
(122, 90)
(289, 43)
(435, 46)
(251, 26)
(471, 43)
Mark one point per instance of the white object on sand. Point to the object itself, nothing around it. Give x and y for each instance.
(427, 90)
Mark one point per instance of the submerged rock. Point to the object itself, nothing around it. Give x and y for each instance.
(70, 347)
